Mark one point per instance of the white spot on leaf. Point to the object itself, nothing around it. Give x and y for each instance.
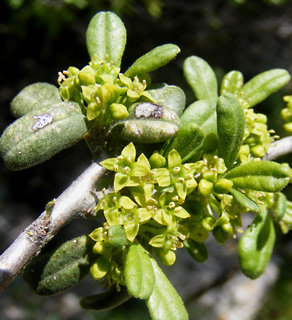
(42, 121)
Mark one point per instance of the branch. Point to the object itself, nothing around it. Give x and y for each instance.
(77, 200)
(279, 148)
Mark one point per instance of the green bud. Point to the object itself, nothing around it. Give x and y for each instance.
(166, 257)
(210, 176)
(288, 127)
(258, 151)
(86, 76)
(99, 268)
(100, 247)
(208, 223)
(286, 114)
(199, 233)
(205, 187)
(223, 186)
(228, 227)
(220, 235)
(157, 160)
(118, 111)
(262, 118)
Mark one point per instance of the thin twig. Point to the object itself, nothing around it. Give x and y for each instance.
(75, 201)
(279, 148)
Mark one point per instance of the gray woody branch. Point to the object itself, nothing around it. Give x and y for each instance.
(77, 200)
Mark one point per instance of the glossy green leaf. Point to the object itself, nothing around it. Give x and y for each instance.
(201, 78)
(106, 37)
(197, 250)
(152, 60)
(172, 97)
(61, 269)
(186, 141)
(230, 127)
(105, 301)
(256, 246)
(244, 200)
(265, 176)
(41, 133)
(261, 86)
(164, 302)
(232, 82)
(139, 275)
(29, 97)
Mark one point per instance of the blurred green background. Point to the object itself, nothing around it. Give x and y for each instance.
(39, 38)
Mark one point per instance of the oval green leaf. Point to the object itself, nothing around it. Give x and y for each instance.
(197, 250)
(265, 176)
(261, 86)
(42, 133)
(201, 78)
(106, 37)
(152, 60)
(29, 97)
(256, 246)
(232, 82)
(244, 201)
(61, 269)
(280, 206)
(164, 302)
(139, 275)
(186, 141)
(230, 127)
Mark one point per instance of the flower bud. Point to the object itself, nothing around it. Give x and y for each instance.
(165, 256)
(157, 160)
(99, 268)
(220, 235)
(205, 187)
(86, 76)
(118, 111)
(223, 186)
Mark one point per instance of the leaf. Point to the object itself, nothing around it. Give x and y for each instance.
(139, 275)
(105, 301)
(279, 207)
(60, 269)
(152, 60)
(117, 236)
(171, 97)
(201, 78)
(230, 127)
(41, 133)
(256, 246)
(232, 82)
(197, 250)
(203, 114)
(186, 141)
(29, 97)
(265, 176)
(244, 200)
(145, 131)
(106, 37)
(164, 302)
(261, 86)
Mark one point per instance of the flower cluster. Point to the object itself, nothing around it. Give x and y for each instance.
(102, 91)
(257, 137)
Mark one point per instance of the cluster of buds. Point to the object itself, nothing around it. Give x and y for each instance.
(102, 91)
